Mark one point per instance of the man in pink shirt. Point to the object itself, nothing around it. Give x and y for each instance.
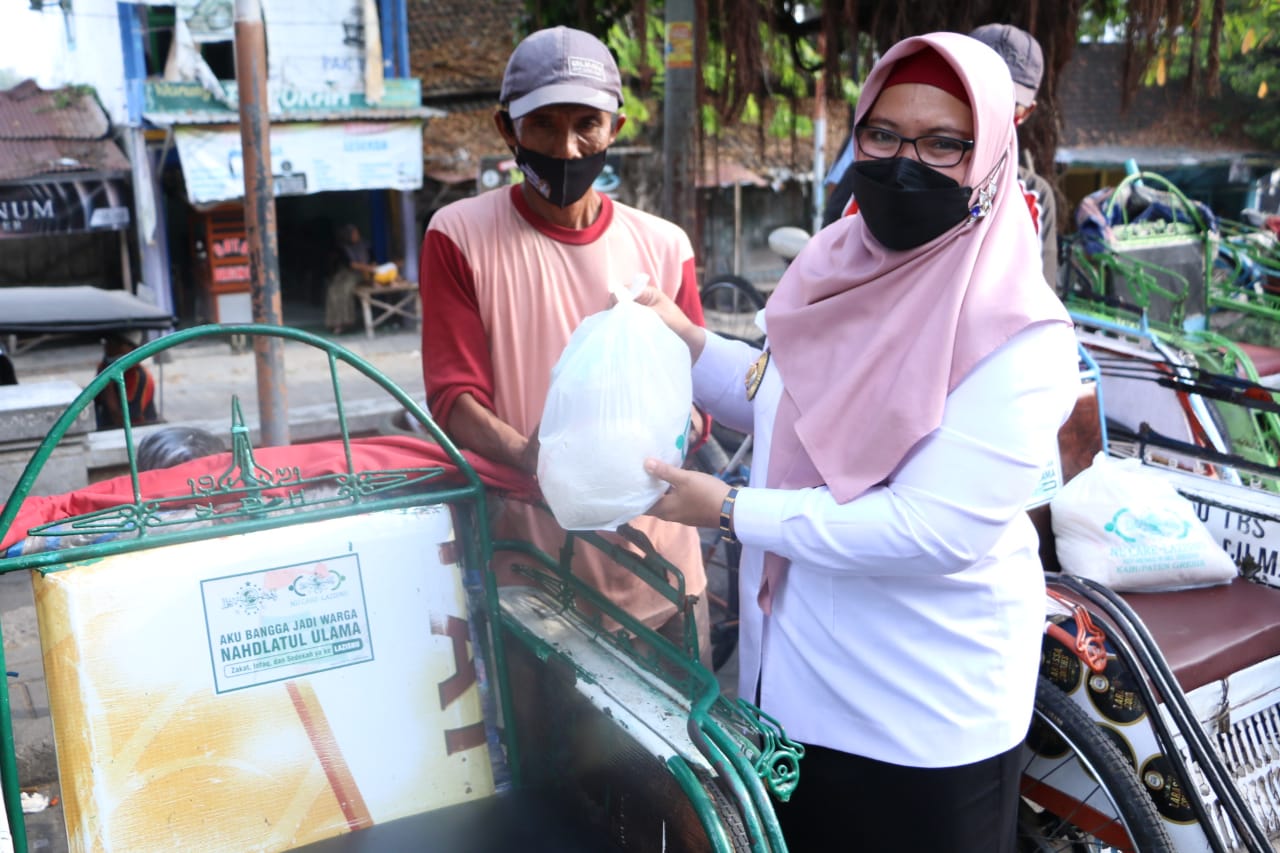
(508, 275)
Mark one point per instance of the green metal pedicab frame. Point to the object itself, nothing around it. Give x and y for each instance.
(751, 757)
(1231, 261)
(1173, 278)
(1160, 686)
(1155, 715)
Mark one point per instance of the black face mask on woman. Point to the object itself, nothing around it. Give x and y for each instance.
(905, 203)
(558, 180)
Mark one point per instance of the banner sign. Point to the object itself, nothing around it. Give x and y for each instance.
(208, 20)
(272, 624)
(67, 205)
(305, 158)
(333, 28)
(164, 96)
(319, 42)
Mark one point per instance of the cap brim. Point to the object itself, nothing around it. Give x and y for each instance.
(562, 93)
(1024, 95)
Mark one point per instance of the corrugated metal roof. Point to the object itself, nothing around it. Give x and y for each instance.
(72, 112)
(225, 117)
(1155, 158)
(727, 174)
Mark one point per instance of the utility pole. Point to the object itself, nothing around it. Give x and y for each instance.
(260, 219)
(679, 112)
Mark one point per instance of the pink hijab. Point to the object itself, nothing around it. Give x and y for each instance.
(869, 341)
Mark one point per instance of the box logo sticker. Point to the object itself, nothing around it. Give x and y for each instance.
(581, 66)
(286, 622)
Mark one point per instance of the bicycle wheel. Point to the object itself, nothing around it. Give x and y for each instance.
(711, 457)
(1067, 751)
(729, 306)
(721, 561)
(722, 598)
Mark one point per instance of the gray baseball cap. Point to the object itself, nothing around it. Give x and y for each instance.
(560, 66)
(1021, 52)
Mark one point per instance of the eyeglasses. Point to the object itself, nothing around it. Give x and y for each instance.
(881, 144)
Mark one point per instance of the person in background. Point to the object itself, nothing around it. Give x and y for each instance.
(8, 376)
(1021, 52)
(173, 445)
(891, 588)
(509, 274)
(356, 266)
(139, 387)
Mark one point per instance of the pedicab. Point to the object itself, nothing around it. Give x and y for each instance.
(1146, 251)
(304, 648)
(1157, 722)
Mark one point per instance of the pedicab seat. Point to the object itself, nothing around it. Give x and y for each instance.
(1207, 634)
(1243, 627)
(1266, 360)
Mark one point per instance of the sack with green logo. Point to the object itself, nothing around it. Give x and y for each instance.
(1123, 525)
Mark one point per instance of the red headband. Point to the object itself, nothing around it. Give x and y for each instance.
(928, 67)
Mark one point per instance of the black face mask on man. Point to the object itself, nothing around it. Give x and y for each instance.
(559, 180)
(905, 203)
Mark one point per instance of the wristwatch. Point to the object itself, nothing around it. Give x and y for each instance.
(726, 517)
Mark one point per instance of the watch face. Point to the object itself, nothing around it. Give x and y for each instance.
(490, 178)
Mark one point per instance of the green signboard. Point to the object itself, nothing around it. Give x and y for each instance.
(163, 96)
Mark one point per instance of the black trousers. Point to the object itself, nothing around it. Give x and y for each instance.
(850, 803)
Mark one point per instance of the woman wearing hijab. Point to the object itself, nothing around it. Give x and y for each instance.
(913, 381)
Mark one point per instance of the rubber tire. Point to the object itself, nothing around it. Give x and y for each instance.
(711, 457)
(726, 809)
(1113, 772)
(746, 298)
(749, 295)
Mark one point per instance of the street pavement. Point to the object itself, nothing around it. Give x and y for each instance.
(197, 382)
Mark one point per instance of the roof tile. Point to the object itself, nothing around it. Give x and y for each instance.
(1093, 113)
(461, 46)
(56, 130)
(29, 112)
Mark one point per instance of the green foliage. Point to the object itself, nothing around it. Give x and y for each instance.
(785, 119)
(710, 120)
(629, 51)
(69, 96)
(638, 114)
(787, 81)
(1100, 19)
(850, 90)
(1251, 67)
(1250, 72)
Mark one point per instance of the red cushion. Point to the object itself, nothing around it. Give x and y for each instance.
(1266, 360)
(378, 453)
(1209, 633)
